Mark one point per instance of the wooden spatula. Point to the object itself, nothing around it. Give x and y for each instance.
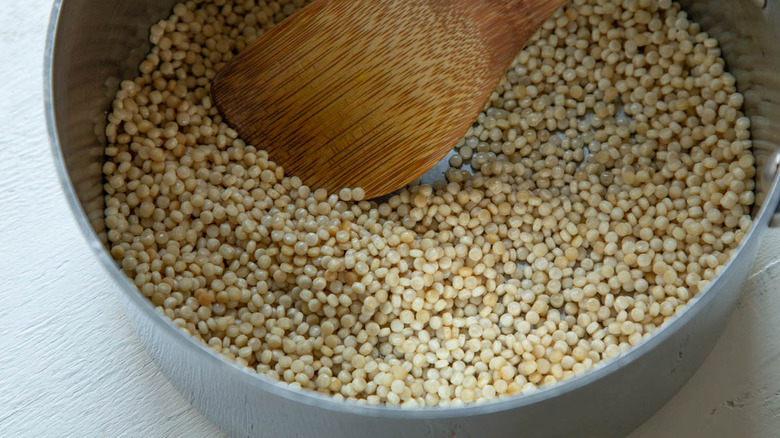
(372, 93)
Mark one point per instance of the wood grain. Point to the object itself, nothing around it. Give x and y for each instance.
(372, 93)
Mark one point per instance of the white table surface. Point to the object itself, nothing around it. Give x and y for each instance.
(70, 364)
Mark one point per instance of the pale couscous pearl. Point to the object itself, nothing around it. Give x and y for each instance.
(612, 179)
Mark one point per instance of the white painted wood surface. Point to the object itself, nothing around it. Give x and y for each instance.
(70, 364)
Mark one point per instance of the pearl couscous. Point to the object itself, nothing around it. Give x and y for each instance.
(611, 179)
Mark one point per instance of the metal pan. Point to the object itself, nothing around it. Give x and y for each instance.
(92, 44)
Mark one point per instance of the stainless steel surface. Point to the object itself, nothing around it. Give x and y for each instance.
(94, 43)
(110, 40)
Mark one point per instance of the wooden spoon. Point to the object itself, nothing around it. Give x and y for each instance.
(372, 93)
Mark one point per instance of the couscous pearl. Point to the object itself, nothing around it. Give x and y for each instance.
(612, 178)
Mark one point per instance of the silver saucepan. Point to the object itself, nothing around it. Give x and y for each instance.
(93, 44)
